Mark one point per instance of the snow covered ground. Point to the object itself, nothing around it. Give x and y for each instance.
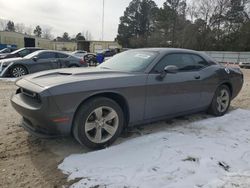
(209, 153)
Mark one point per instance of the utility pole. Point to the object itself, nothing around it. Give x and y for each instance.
(103, 7)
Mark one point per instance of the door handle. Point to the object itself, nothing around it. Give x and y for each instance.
(197, 77)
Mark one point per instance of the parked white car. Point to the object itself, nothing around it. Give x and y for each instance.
(79, 53)
(245, 64)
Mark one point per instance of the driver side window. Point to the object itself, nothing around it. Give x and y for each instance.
(184, 62)
(172, 59)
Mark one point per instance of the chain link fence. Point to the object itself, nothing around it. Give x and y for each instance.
(229, 57)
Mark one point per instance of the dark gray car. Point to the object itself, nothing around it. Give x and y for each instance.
(134, 87)
(19, 53)
(38, 61)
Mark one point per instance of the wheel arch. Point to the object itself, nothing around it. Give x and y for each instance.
(229, 85)
(117, 97)
(18, 64)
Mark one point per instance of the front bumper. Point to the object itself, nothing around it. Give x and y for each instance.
(39, 118)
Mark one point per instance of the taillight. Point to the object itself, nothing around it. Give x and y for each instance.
(82, 62)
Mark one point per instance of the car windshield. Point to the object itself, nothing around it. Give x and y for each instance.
(130, 61)
(16, 51)
(5, 50)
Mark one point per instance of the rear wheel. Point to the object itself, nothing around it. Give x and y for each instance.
(98, 123)
(221, 101)
(18, 71)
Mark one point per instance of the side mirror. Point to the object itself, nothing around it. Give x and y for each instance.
(35, 58)
(170, 69)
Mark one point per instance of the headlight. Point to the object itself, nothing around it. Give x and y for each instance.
(6, 64)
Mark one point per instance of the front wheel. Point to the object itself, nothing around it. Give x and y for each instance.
(18, 71)
(98, 123)
(221, 101)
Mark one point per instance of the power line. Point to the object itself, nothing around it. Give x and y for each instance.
(103, 7)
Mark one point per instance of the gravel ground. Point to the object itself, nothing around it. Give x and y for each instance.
(26, 161)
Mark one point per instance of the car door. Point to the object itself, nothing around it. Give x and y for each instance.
(176, 92)
(63, 60)
(45, 61)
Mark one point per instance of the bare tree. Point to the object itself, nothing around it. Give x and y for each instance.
(47, 32)
(206, 9)
(28, 30)
(3, 24)
(87, 35)
(219, 15)
(192, 11)
(20, 27)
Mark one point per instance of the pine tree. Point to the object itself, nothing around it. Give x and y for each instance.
(10, 26)
(38, 31)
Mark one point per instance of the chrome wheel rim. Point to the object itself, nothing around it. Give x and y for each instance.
(223, 100)
(18, 72)
(101, 125)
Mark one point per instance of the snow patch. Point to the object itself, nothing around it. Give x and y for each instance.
(199, 154)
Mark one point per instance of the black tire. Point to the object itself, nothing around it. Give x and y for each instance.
(85, 112)
(18, 71)
(214, 107)
(73, 66)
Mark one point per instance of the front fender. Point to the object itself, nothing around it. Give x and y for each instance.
(5, 72)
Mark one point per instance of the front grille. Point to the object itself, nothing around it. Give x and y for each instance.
(29, 94)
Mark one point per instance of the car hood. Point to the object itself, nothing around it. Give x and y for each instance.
(3, 55)
(11, 60)
(10, 55)
(48, 79)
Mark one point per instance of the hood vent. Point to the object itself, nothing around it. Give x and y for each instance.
(65, 73)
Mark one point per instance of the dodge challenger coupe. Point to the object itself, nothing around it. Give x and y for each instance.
(134, 87)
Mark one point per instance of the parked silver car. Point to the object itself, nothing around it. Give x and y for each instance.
(245, 64)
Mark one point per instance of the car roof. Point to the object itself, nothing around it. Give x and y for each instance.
(165, 50)
(33, 48)
(176, 50)
(80, 51)
(53, 51)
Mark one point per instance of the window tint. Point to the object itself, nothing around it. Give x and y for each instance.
(23, 53)
(185, 62)
(59, 55)
(33, 50)
(47, 55)
(200, 61)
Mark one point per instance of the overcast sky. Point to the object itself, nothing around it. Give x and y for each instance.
(72, 16)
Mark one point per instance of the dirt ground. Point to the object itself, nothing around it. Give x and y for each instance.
(26, 161)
